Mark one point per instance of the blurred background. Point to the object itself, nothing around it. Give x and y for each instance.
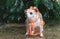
(12, 18)
(12, 11)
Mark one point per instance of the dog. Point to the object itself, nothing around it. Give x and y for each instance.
(34, 22)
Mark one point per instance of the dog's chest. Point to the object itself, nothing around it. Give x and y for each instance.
(35, 19)
(38, 23)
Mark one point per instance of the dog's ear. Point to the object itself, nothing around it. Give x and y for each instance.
(36, 9)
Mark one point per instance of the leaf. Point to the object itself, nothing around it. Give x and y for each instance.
(36, 2)
(48, 4)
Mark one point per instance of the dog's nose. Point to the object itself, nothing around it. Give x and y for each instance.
(31, 13)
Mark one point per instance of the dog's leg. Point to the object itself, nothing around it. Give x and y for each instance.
(31, 28)
(41, 31)
(27, 32)
(27, 27)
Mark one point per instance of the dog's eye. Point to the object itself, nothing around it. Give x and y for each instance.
(31, 13)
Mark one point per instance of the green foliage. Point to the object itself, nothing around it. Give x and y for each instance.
(36, 2)
(13, 10)
(48, 3)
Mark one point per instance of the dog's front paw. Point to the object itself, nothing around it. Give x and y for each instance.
(26, 35)
(41, 35)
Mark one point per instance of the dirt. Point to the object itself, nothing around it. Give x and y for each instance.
(18, 32)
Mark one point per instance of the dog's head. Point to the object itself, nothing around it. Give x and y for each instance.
(31, 12)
